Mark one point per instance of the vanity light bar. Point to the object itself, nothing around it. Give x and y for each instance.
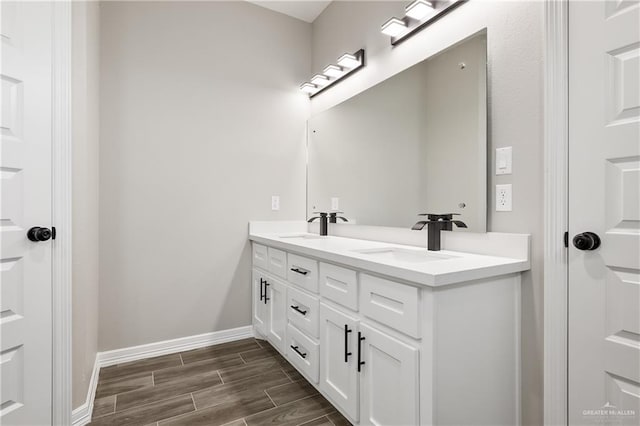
(418, 15)
(347, 65)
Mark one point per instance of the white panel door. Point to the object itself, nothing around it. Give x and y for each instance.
(389, 390)
(25, 201)
(604, 198)
(338, 359)
(276, 293)
(259, 303)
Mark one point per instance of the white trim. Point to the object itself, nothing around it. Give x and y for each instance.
(556, 192)
(134, 353)
(61, 195)
(82, 415)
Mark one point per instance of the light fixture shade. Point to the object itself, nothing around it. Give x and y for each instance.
(419, 9)
(320, 80)
(348, 61)
(333, 71)
(394, 27)
(308, 87)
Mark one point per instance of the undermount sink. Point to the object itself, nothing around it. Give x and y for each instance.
(304, 237)
(402, 255)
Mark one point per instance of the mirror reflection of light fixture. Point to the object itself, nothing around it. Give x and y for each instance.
(418, 15)
(394, 27)
(347, 64)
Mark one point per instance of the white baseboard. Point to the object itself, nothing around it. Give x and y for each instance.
(82, 415)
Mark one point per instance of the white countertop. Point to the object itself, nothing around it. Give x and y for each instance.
(456, 267)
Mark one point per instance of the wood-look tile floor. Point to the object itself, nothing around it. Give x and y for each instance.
(242, 383)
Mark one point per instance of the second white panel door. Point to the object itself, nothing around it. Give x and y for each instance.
(338, 358)
(389, 380)
(276, 293)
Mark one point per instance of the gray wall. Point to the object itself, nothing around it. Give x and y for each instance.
(201, 122)
(85, 113)
(515, 119)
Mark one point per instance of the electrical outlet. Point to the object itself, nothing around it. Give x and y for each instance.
(504, 198)
(275, 202)
(335, 203)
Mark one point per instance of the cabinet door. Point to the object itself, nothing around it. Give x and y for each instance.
(338, 359)
(277, 313)
(259, 305)
(389, 380)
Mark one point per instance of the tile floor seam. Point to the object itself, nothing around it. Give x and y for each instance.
(181, 360)
(220, 375)
(152, 402)
(195, 407)
(313, 420)
(153, 379)
(269, 396)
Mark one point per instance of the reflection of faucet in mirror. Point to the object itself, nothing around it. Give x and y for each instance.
(333, 217)
(436, 223)
(325, 219)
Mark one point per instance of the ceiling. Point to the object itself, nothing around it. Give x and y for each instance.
(305, 10)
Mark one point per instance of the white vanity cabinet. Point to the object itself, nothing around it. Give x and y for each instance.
(390, 351)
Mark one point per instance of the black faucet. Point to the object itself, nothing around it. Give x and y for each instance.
(436, 223)
(325, 219)
(324, 222)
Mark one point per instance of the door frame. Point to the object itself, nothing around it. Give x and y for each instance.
(556, 211)
(61, 401)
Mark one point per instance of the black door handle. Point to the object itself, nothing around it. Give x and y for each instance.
(37, 234)
(300, 271)
(295, 348)
(297, 309)
(266, 284)
(360, 361)
(586, 241)
(347, 354)
(261, 283)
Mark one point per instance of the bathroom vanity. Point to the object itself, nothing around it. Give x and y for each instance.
(393, 334)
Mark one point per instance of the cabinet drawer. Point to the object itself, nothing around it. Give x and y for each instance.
(303, 352)
(392, 304)
(259, 255)
(303, 272)
(339, 284)
(277, 262)
(303, 311)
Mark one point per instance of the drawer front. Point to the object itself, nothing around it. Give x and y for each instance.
(303, 353)
(392, 304)
(277, 262)
(339, 284)
(260, 259)
(303, 272)
(303, 311)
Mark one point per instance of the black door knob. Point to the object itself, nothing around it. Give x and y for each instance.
(39, 234)
(586, 241)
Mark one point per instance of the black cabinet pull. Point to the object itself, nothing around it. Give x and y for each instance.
(297, 309)
(300, 271)
(261, 283)
(360, 362)
(347, 354)
(295, 348)
(266, 284)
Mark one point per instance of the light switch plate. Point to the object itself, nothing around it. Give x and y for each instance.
(504, 161)
(275, 202)
(504, 198)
